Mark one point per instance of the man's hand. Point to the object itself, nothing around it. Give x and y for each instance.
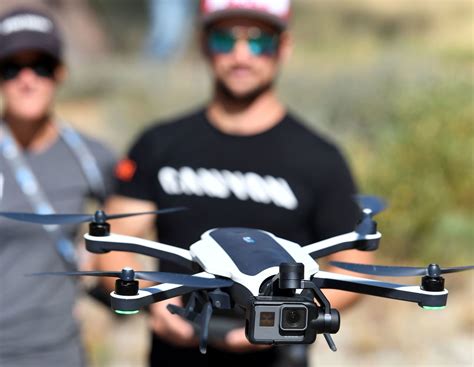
(236, 342)
(172, 328)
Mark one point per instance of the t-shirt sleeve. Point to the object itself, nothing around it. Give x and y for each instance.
(134, 177)
(336, 210)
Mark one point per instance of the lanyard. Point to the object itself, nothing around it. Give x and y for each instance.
(86, 160)
(32, 190)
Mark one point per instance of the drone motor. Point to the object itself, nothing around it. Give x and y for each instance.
(126, 285)
(433, 281)
(291, 275)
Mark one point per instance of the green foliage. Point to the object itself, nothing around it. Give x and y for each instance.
(422, 161)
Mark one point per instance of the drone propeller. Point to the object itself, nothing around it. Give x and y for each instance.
(432, 270)
(371, 205)
(98, 217)
(128, 274)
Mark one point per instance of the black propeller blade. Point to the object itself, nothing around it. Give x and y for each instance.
(371, 205)
(99, 216)
(432, 270)
(128, 274)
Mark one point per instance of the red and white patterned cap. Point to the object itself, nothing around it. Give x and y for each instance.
(276, 12)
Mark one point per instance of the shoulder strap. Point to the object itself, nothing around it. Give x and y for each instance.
(32, 190)
(86, 159)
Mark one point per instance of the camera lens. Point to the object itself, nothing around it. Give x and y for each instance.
(293, 318)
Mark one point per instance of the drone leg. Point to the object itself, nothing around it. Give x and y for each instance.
(330, 342)
(187, 312)
(205, 318)
(201, 319)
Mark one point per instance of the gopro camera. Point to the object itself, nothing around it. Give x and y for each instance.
(281, 320)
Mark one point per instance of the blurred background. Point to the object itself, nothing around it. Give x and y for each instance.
(390, 81)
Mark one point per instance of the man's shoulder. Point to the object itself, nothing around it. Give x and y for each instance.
(313, 149)
(309, 138)
(172, 127)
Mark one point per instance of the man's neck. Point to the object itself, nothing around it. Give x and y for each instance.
(246, 118)
(32, 135)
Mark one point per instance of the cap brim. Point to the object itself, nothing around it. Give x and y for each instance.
(215, 16)
(31, 41)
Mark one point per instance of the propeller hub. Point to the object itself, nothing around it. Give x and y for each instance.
(100, 216)
(434, 270)
(127, 274)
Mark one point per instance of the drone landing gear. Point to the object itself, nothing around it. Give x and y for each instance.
(198, 311)
(200, 318)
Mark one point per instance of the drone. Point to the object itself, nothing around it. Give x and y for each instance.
(276, 282)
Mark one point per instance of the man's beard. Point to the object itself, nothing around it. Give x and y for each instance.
(246, 98)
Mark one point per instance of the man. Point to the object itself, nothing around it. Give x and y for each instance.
(45, 167)
(241, 161)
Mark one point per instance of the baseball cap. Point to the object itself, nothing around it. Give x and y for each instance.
(275, 12)
(25, 29)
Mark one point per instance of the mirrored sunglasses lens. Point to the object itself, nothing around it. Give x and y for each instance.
(263, 45)
(221, 42)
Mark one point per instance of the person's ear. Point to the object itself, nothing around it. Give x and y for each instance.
(286, 47)
(60, 73)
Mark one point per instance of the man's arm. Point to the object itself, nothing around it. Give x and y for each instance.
(337, 212)
(134, 226)
(341, 299)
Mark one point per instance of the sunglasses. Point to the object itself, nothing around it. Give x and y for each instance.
(222, 41)
(42, 67)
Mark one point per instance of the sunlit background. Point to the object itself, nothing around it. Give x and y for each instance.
(390, 81)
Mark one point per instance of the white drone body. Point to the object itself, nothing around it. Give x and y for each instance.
(248, 257)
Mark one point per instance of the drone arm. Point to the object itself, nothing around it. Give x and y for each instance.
(115, 242)
(380, 289)
(147, 296)
(347, 241)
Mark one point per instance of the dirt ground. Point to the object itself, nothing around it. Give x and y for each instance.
(375, 332)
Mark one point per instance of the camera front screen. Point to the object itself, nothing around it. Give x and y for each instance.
(267, 319)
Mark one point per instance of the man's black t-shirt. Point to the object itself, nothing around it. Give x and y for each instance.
(287, 180)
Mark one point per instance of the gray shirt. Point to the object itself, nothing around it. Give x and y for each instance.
(36, 313)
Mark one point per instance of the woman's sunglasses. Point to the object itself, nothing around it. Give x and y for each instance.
(44, 67)
(222, 41)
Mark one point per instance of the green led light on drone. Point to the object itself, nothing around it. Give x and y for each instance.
(434, 308)
(120, 312)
